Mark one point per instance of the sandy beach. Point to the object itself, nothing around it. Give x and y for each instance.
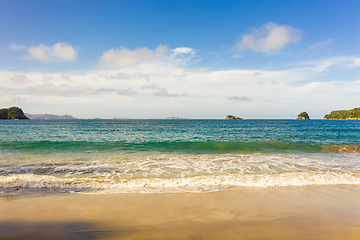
(327, 212)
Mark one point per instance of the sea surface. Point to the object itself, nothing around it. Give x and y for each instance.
(161, 156)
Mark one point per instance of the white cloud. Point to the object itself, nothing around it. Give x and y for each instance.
(340, 62)
(126, 58)
(16, 47)
(121, 58)
(5, 98)
(321, 45)
(184, 50)
(163, 92)
(182, 55)
(59, 52)
(19, 79)
(355, 62)
(236, 56)
(269, 37)
(237, 98)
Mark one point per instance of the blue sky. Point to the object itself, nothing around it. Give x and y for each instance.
(194, 59)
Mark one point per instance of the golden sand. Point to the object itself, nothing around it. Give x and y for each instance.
(330, 213)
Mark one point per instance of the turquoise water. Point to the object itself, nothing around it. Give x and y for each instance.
(175, 155)
(180, 136)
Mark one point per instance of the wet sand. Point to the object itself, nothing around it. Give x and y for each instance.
(327, 212)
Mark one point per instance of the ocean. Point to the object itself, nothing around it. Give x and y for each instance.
(171, 156)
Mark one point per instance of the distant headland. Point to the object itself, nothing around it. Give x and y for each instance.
(17, 113)
(48, 116)
(12, 113)
(352, 114)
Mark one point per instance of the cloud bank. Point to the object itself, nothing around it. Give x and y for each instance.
(155, 91)
(269, 37)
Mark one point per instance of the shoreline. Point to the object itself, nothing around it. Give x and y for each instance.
(315, 212)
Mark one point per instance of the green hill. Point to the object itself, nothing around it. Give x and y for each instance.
(352, 114)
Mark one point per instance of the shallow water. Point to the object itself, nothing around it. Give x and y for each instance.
(114, 156)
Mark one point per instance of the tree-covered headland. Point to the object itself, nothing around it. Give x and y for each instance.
(352, 114)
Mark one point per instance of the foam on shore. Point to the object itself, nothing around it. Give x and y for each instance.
(41, 183)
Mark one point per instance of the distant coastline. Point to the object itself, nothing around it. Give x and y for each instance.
(17, 113)
(49, 116)
(176, 118)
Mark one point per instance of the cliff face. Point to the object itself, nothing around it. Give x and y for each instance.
(303, 116)
(231, 117)
(352, 114)
(12, 113)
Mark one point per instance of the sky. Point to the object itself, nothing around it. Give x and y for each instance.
(201, 59)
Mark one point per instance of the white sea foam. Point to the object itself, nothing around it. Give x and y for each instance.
(124, 166)
(31, 183)
(175, 172)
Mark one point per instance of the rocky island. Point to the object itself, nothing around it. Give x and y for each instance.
(12, 113)
(231, 117)
(303, 116)
(352, 114)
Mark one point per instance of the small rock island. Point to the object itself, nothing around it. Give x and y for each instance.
(303, 116)
(231, 117)
(12, 113)
(352, 114)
